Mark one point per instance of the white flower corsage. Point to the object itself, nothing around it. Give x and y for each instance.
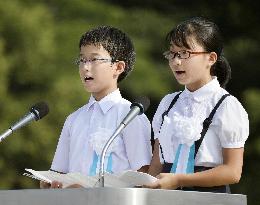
(186, 129)
(99, 138)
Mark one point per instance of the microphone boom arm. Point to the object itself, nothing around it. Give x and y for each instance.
(135, 111)
(6, 134)
(37, 112)
(27, 118)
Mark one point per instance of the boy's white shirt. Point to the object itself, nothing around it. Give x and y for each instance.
(229, 127)
(81, 131)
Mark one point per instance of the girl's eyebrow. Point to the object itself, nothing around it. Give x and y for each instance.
(175, 50)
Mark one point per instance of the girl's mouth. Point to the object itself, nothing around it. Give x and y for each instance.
(179, 72)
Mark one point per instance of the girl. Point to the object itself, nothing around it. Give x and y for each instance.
(200, 132)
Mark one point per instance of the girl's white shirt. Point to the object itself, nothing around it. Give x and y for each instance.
(88, 129)
(183, 125)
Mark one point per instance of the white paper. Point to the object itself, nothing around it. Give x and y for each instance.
(124, 179)
(134, 178)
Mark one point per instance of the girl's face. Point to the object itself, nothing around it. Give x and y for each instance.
(194, 71)
(98, 74)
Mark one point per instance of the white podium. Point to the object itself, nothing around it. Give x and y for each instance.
(116, 196)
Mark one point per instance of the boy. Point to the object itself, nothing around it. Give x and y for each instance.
(106, 57)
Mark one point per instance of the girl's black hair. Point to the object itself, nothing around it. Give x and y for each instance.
(115, 42)
(207, 34)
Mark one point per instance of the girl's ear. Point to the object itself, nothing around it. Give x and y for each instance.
(213, 57)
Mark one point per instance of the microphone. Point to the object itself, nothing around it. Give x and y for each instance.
(37, 111)
(136, 108)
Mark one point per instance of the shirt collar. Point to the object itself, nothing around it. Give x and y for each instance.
(106, 102)
(204, 92)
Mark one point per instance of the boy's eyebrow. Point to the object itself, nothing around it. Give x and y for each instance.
(92, 54)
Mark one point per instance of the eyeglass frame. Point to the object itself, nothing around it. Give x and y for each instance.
(85, 61)
(167, 54)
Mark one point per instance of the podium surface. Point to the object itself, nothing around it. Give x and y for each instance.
(116, 196)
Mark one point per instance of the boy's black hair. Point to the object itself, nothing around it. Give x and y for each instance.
(115, 42)
(207, 34)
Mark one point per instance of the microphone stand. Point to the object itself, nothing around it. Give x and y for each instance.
(101, 181)
(136, 109)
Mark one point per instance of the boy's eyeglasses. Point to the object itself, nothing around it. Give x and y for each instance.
(169, 55)
(84, 61)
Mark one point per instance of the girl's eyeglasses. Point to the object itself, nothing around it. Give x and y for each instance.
(183, 54)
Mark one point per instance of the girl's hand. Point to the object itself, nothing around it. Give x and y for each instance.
(165, 181)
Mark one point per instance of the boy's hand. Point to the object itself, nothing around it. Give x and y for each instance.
(53, 185)
(56, 185)
(44, 185)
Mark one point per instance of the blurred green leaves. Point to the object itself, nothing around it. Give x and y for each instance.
(38, 45)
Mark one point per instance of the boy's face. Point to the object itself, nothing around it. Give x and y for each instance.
(97, 73)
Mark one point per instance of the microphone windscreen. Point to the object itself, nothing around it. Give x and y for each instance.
(40, 109)
(143, 103)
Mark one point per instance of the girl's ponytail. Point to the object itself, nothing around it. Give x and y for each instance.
(222, 70)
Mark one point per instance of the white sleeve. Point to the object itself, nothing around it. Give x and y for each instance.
(234, 123)
(137, 140)
(60, 161)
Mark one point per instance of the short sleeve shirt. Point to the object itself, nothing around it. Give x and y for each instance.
(86, 131)
(229, 127)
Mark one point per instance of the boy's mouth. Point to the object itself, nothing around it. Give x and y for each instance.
(88, 79)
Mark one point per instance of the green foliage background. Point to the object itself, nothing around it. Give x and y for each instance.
(38, 45)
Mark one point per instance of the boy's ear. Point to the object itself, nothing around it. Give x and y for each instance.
(120, 67)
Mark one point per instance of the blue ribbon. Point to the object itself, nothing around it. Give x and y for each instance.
(174, 166)
(93, 167)
(95, 161)
(190, 164)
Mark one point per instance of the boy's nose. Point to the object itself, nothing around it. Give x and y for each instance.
(175, 61)
(86, 66)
